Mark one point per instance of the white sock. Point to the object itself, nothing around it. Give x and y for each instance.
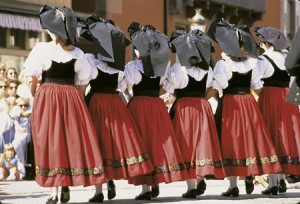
(232, 181)
(54, 191)
(191, 183)
(145, 188)
(200, 179)
(98, 189)
(273, 180)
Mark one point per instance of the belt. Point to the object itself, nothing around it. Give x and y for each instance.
(238, 90)
(60, 81)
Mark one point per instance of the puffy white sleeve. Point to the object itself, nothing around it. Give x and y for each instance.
(85, 69)
(210, 76)
(35, 62)
(221, 76)
(176, 79)
(260, 71)
(122, 84)
(132, 75)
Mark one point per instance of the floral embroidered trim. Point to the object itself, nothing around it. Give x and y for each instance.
(250, 161)
(169, 168)
(126, 162)
(289, 160)
(204, 162)
(67, 171)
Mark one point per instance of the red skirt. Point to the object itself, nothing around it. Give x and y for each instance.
(65, 142)
(197, 137)
(123, 149)
(283, 121)
(155, 126)
(246, 145)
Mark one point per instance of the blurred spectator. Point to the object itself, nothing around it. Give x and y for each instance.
(2, 69)
(8, 164)
(12, 92)
(21, 115)
(6, 125)
(11, 73)
(24, 87)
(3, 88)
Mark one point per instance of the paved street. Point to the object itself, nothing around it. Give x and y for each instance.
(28, 192)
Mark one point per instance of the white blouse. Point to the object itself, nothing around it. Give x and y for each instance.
(177, 77)
(42, 55)
(265, 67)
(224, 68)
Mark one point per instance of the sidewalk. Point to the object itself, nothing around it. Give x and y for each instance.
(28, 192)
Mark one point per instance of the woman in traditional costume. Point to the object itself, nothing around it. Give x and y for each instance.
(65, 141)
(246, 145)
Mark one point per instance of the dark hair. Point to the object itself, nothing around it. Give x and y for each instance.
(133, 28)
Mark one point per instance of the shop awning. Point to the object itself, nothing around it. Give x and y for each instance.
(20, 22)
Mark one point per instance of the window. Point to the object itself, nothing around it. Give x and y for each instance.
(17, 38)
(2, 37)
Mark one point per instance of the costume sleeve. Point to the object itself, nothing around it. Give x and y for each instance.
(210, 76)
(256, 78)
(177, 78)
(35, 62)
(221, 76)
(132, 74)
(85, 69)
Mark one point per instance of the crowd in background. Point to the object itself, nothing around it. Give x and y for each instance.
(15, 110)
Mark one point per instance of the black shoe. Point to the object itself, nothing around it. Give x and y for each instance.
(282, 186)
(231, 192)
(201, 187)
(144, 196)
(65, 194)
(98, 198)
(154, 191)
(293, 178)
(270, 191)
(249, 184)
(52, 200)
(111, 190)
(190, 194)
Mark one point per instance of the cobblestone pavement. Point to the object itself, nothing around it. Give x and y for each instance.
(28, 192)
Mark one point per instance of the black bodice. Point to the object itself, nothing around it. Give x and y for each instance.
(280, 78)
(239, 83)
(60, 72)
(104, 80)
(193, 89)
(147, 86)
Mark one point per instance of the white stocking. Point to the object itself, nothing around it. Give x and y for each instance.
(145, 188)
(98, 189)
(54, 191)
(232, 181)
(191, 183)
(273, 180)
(281, 176)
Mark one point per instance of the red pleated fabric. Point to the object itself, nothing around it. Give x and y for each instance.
(283, 121)
(246, 145)
(123, 149)
(155, 125)
(66, 146)
(197, 137)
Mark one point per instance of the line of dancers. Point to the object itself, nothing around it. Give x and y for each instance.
(95, 138)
